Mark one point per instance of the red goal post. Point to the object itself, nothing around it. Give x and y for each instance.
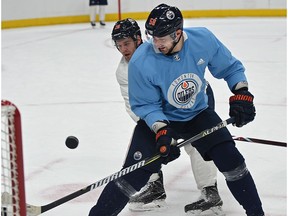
(13, 201)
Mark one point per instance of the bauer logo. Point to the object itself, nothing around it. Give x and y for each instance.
(183, 91)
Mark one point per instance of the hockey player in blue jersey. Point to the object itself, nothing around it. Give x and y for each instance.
(166, 89)
(126, 35)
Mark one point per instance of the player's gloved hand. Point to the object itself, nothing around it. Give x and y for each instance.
(242, 107)
(165, 138)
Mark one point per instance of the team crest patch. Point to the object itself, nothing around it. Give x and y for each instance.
(137, 155)
(183, 91)
(170, 15)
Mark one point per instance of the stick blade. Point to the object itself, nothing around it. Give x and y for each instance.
(33, 210)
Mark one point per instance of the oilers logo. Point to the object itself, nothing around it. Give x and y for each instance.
(137, 155)
(170, 15)
(183, 91)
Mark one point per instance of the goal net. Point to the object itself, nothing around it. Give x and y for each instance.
(12, 174)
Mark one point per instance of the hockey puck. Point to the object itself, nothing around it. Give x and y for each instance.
(72, 142)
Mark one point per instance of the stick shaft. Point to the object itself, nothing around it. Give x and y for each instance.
(207, 132)
(36, 210)
(260, 141)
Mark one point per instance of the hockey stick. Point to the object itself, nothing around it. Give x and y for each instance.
(260, 141)
(36, 210)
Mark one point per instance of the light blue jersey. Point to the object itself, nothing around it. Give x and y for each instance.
(172, 87)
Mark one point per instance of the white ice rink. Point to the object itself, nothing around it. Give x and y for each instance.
(62, 78)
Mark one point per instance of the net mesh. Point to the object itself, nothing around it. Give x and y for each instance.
(10, 198)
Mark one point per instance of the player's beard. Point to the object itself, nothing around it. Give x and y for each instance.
(165, 49)
(128, 57)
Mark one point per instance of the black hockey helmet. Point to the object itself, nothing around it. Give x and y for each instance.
(164, 20)
(125, 28)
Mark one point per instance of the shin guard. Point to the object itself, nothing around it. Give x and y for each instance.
(241, 185)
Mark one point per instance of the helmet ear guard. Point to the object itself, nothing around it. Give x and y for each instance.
(164, 20)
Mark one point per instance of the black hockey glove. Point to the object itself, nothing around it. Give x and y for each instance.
(242, 107)
(165, 138)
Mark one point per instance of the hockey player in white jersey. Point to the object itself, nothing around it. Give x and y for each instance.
(126, 35)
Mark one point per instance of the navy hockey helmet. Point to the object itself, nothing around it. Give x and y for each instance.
(125, 28)
(164, 20)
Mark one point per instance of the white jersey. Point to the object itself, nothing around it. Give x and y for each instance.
(122, 79)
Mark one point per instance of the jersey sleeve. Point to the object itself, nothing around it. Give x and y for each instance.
(122, 79)
(223, 65)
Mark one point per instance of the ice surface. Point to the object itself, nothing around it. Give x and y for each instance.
(63, 80)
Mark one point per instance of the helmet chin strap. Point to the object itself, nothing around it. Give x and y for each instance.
(175, 42)
(139, 44)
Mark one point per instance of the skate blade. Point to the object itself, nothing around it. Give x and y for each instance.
(209, 212)
(155, 205)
